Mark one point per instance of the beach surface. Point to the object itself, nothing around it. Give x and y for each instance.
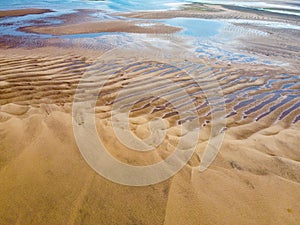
(48, 63)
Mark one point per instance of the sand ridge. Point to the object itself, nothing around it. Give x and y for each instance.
(22, 12)
(100, 27)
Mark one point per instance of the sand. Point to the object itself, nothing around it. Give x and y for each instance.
(45, 180)
(22, 12)
(105, 26)
(255, 178)
(276, 47)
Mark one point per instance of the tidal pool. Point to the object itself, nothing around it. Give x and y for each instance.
(197, 27)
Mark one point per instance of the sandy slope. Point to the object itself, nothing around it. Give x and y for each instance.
(44, 179)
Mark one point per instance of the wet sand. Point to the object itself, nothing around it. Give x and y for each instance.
(22, 12)
(101, 27)
(278, 45)
(273, 45)
(45, 180)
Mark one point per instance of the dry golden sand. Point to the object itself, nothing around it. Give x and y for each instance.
(255, 178)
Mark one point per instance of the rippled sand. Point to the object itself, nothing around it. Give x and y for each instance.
(44, 179)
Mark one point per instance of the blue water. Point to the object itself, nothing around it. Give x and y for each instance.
(109, 5)
(191, 27)
(135, 5)
(197, 27)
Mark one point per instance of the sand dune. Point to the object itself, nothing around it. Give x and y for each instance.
(250, 181)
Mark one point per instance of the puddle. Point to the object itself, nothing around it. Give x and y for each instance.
(197, 27)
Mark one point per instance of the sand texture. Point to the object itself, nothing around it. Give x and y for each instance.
(22, 12)
(44, 179)
(106, 26)
(42, 170)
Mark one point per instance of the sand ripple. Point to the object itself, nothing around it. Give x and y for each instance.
(250, 94)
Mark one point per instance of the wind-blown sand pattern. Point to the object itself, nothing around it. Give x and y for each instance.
(45, 180)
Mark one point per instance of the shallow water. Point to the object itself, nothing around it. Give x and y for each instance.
(197, 27)
(137, 5)
(111, 5)
(209, 38)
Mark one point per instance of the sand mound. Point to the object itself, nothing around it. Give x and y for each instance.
(254, 179)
